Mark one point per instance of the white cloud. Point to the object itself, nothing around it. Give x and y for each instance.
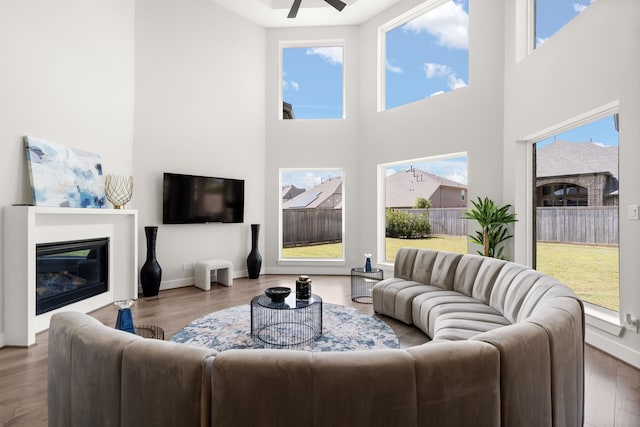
(332, 55)
(440, 92)
(579, 7)
(394, 69)
(455, 82)
(541, 40)
(310, 180)
(449, 23)
(440, 70)
(436, 70)
(286, 85)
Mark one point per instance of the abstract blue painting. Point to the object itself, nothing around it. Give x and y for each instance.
(64, 176)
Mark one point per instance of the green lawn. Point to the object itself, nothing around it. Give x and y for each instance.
(591, 271)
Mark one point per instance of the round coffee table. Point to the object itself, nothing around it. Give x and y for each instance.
(286, 324)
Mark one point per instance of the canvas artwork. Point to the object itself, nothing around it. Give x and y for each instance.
(64, 176)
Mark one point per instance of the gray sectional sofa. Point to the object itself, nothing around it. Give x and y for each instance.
(524, 370)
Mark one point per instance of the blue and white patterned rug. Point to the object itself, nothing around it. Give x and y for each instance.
(343, 329)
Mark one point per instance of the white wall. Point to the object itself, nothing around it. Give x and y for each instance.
(589, 63)
(312, 143)
(200, 98)
(66, 75)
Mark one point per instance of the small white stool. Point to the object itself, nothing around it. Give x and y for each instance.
(202, 272)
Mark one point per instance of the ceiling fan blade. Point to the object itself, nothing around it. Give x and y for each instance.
(294, 9)
(337, 4)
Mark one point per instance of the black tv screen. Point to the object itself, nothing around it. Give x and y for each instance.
(189, 199)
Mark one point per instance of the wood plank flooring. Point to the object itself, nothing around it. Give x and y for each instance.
(612, 388)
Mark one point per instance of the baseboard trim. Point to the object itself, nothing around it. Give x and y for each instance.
(2, 340)
(613, 347)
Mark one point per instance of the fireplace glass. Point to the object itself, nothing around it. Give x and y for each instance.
(68, 272)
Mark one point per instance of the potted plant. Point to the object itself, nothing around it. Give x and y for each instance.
(493, 221)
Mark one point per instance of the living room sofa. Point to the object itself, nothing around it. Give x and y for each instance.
(526, 373)
(536, 323)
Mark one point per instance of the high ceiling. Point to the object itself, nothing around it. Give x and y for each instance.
(273, 13)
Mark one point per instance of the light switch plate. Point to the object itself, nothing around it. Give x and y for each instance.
(633, 212)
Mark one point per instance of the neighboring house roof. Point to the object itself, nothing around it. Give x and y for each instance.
(291, 191)
(403, 188)
(561, 158)
(325, 195)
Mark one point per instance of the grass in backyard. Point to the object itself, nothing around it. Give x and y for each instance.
(591, 271)
(327, 251)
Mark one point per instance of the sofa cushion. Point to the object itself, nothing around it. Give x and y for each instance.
(174, 380)
(465, 275)
(427, 306)
(458, 384)
(444, 270)
(525, 373)
(366, 388)
(423, 266)
(465, 323)
(507, 275)
(403, 264)
(390, 297)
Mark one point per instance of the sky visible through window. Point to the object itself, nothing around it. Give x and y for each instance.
(453, 168)
(602, 132)
(428, 55)
(312, 81)
(551, 15)
(307, 178)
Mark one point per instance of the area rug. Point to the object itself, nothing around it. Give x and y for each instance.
(343, 329)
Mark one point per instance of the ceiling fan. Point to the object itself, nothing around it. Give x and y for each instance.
(337, 4)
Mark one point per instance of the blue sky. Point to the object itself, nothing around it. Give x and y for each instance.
(601, 132)
(551, 15)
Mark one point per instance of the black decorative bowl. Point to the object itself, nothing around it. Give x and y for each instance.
(278, 293)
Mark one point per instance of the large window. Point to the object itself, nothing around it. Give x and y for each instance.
(551, 15)
(426, 53)
(312, 82)
(423, 202)
(311, 214)
(576, 205)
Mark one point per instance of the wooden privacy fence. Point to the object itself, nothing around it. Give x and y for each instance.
(308, 226)
(590, 225)
(586, 225)
(445, 221)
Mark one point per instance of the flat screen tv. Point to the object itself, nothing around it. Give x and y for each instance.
(190, 199)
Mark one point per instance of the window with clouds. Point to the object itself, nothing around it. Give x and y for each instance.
(312, 81)
(427, 55)
(552, 15)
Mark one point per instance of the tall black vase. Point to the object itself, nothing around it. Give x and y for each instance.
(151, 272)
(254, 260)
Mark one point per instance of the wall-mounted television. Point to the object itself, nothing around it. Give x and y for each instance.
(190, 199)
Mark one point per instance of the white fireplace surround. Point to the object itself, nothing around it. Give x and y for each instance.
(27, 226)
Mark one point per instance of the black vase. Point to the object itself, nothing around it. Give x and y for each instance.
(254, 260)
(151, 272)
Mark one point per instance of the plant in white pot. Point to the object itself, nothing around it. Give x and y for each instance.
(493, 221)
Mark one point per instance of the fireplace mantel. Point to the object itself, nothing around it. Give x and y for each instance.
(26, 226)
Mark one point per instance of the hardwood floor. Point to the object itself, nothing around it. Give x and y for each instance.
(612, 388)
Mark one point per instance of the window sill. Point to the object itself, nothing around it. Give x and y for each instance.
(314, 261)
(603, 320)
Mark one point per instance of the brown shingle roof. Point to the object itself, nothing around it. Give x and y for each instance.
(402, 188)
(561, 158)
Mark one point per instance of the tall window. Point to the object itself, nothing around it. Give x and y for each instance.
(428, 54)
(423, 202)
(312, 214)
(577, 216)
(312, 82)
(551, 15)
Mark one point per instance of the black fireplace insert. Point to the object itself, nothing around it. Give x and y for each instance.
(68, 272)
